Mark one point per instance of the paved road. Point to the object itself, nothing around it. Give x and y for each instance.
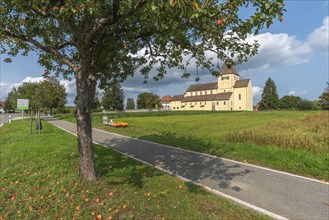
(5, 116)
(278, 194)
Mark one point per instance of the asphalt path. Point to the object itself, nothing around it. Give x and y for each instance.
(277, 194)
(4, 117)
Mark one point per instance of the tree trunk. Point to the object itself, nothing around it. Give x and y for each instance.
(85, 86)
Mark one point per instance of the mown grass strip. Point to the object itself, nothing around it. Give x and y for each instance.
(39, 180)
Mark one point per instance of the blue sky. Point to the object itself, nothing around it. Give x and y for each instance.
(293, 53)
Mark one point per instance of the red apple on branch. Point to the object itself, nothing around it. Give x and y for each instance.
(219, 22)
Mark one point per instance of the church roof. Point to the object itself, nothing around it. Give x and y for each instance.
(223, 96)
(198, 98)
(241, 83)
(228, 68)
(199, 87)
(177, 98)
(203, 98)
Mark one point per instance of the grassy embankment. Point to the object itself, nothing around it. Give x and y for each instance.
(38, 180)
(291, 141)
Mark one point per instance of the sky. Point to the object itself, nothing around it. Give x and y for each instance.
(293, 53)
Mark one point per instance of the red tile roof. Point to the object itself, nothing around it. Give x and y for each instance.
(166, 98)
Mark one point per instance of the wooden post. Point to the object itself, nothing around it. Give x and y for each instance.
(31, 120)
(39, 122)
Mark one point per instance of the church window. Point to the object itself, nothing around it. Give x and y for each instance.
(239, 96)
(224, 103)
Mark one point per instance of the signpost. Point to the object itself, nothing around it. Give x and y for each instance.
(22, 104)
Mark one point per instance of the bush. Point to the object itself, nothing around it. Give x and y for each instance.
(305, 105)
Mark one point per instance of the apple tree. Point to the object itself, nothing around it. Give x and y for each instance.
(99, 40)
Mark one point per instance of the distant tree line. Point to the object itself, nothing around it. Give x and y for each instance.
(130, 104)
(47, 94)
(113, 98)
(148, 101)
(324, 98)
(270, 100)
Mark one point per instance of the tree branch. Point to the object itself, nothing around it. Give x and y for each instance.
(62, 58)
(105, 22)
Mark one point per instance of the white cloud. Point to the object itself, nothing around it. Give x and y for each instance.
(70, 90)
(297, 93)
(4, 90)
(319, 38)
(257, 91)
(32, 79)
(278, 50)
(69, 85)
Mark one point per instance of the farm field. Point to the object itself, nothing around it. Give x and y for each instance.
(292, 141)
(39, 180)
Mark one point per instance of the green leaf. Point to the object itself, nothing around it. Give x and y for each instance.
(7, 60)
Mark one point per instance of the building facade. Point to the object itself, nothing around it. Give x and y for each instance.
(165, 102)
(229, 93)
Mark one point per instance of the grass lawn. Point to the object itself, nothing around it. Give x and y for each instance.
(38, 180)
(292, 141)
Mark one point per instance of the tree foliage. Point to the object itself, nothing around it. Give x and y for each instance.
(96, 102)
(113, 96)
(104, 40)
(305, 104)
(33, 92)
(11, 100)
(270, 97)
(130, 104)
(296, 103)
(289, 102)
(55, 94)
(40, 94)
(324, 98)
(148, 101)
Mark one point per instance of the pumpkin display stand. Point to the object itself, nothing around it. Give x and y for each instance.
(119, 124)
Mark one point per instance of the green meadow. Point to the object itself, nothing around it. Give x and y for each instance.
(39, 180)
(292, 141)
